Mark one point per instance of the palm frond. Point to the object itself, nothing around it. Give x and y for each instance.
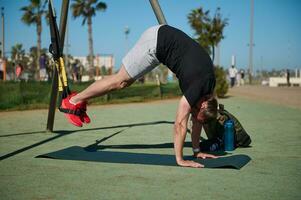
(78, 8)
(101, 6)
(35, 3)
(33, 12)
(208, 30)
(86, 8)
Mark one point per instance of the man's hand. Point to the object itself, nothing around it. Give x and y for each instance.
(189, 163)
(204, 155)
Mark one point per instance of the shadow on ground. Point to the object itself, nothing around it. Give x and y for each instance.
(61, 133)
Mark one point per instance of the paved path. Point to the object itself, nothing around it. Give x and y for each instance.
(290, 96)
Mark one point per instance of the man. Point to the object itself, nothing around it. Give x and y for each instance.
(184, 57)
(288, 77)
(242, 77)
(214, 130)
(43, 64)
(1, 69)
(19, 70)
(75, 70)
(232, 74)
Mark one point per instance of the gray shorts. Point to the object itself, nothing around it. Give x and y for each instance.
(141, 59)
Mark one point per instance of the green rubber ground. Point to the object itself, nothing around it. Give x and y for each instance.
(273, 173)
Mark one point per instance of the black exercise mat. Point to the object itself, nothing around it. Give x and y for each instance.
(80, 154)
(234, 161)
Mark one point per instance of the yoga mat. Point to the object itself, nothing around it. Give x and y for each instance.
(80, 154)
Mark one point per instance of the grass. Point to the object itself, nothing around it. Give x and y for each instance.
(36, 95)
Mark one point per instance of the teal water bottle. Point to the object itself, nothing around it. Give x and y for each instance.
(229, 135)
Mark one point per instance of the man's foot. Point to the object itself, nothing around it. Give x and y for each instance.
(75, 113)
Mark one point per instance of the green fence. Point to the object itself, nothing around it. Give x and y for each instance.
(33, 95)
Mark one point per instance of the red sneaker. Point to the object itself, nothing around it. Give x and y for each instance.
(84, 117)
(72, 112)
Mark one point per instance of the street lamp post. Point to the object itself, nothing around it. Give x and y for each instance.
(3, 36)
(126, 32)
(251, 44)
(3, 45)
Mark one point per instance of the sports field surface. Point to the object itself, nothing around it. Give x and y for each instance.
(273, 173)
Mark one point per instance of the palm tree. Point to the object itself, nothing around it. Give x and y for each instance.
(87, 9)
(209, 31)
(32, 15)
(217, 27)
(198, 19)
(17, 53)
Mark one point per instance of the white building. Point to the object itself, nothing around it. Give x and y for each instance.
(100, 60)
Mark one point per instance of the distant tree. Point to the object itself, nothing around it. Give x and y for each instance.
(208, 30)
(198, 19)
(70, 61)
(222, 85)
(33, 53)
(18, 56)
(161, 71)
(17, 53)
(32, 15)
(32, 65)
(87, 9)
(103, 71)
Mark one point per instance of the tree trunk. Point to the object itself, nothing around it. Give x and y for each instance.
(213, 53)
(39, 32)
(91, 53)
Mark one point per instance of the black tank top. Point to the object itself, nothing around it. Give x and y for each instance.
(188, 60)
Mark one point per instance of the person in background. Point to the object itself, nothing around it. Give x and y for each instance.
(19, 70)
(43, 72)
(232, 75)
(75, 71)
(288, 77)
(80, 71)
(242, 77)
(1, 69)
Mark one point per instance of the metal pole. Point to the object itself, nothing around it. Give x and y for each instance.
(218, 57)
(261, 67)
(3, 42)
(67, 48)
(54, 87)
(126, 32)
(63, 21)
(251, 43)
(4, 62)
(158, 12)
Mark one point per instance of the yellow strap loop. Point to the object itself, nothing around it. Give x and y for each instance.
(59, 78)
(64, 75)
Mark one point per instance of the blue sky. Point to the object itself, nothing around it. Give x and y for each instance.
(277, 28)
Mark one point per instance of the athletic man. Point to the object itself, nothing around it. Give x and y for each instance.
(184, 57)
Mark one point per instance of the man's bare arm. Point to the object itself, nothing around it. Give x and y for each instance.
(195, 138)
(180, 130)
(195, 133)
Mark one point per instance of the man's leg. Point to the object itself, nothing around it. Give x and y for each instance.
(139, 60)
(232, 82)
(74, 106)
(104, 86)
